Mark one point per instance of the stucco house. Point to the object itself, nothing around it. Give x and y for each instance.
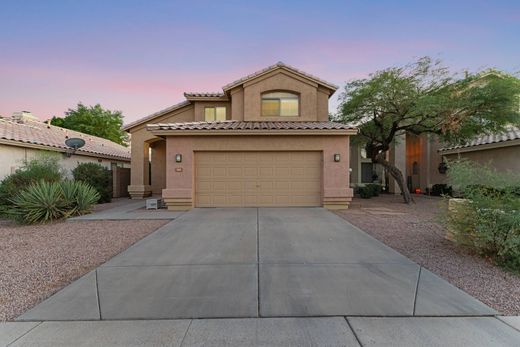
(265, 140)
(24, 137)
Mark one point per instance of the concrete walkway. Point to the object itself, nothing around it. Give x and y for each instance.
(238, 272)
(128, 210)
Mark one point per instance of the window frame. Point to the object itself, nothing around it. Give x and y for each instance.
(215, 114)
(262, 95)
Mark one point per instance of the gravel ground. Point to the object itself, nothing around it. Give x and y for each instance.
(415, 231)
(38, 260)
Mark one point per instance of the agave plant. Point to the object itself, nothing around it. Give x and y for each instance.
(41, 202)
(86, 197)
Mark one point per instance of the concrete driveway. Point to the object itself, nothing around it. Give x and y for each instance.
(272, 263)
(235, 263)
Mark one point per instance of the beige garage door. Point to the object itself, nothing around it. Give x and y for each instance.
(257, 179)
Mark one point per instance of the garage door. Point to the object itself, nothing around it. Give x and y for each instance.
(257, 179)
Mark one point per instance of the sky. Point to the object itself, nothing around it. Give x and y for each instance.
(140, 56)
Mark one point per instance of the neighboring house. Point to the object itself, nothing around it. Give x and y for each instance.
(23, 137)
(416, 156)
(419, 158)
(501, 151)
(264, 141)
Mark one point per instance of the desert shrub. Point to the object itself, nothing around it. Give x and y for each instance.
(441, 189)
(491, 222)
(98, 177)
(44, 201)
(374, 188)
(364, 192)
(44, 168)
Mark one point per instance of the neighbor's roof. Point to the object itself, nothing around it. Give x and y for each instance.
(42, 134)
(511, 133)
(250, 125)
(274, 67)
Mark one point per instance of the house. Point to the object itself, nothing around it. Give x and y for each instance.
(265, 140)
(416, 156)
(23, 137)
(421, 159)
(501, 151)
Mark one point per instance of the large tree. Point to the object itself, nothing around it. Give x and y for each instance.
(94, 120)
(424, 97)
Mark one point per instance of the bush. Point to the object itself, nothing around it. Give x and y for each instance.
(491, 222)
(374, 188)
(45, 168)
(98, 177)
(44, 201)
(441, 189)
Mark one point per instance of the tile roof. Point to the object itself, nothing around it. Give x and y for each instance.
(249, 125)
(43, 134)
(204, 94)
(276, 66)
(157, 114)
(511, 133)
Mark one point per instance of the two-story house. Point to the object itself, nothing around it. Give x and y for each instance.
(264, 141)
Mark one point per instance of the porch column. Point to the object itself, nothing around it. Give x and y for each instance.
(337, 194)
(178, 194)
(139, 187)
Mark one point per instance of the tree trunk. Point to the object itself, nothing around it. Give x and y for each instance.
(396, 174)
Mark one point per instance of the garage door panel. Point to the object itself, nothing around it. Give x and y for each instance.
(257, 179)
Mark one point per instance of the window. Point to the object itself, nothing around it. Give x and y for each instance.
(214, 113)
(280, 104)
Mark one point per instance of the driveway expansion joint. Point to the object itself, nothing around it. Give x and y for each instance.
(416, 290)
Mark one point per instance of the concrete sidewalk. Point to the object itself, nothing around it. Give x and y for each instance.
(330, 332)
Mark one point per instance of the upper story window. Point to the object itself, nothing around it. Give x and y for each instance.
(214, 113)
(280, 104)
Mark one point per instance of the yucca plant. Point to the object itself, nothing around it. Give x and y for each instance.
(39, 203)
(69, 190)
(86, 197)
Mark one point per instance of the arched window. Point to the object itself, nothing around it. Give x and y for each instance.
(280, 104)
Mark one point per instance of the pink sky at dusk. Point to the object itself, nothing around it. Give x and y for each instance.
(139, 57)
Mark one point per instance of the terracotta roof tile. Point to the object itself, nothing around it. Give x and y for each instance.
(157, 114)
(511, 133)
(249, 125)
(39, 133)
(204, 94)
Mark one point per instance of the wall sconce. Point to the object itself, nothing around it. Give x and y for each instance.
(336, 157)
(178, 158)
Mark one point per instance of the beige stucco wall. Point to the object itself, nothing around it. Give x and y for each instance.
(140, 140)
(158, 166)
(281, 80)
(200, 105)
(502, 159)
(12, 157)
(179, 192)
(237, 103)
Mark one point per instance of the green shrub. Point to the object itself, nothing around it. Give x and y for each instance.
(374, 188)
(441, 189)
(491, 222)
(46, 167)
(98, 177)
(365, 192)
(44, 201)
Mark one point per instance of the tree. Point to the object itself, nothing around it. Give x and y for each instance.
(424, 97)
(94, 120)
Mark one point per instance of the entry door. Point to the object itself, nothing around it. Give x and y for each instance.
(251, 179)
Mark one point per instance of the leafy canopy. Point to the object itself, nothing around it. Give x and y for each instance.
(94, 120)
(423, 97)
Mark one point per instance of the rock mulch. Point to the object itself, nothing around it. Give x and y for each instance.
(38, 260)
(417, 232)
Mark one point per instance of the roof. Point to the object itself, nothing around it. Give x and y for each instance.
(510, 134)
(274, 67)
(157, 114)
(42, 134)
(250, 125)
(204, 94)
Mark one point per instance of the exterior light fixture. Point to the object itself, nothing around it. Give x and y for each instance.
(336, 157)
(178, 158)
(443, 167)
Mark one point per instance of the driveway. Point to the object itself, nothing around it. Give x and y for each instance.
(271, 263)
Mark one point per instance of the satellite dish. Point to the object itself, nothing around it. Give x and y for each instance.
(75, 143)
